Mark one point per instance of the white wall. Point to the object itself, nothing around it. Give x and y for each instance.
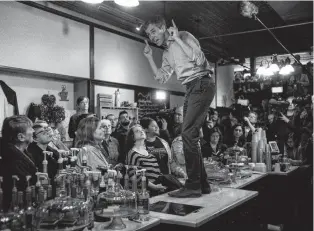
(30, 90)
(121, 60)
(37, 40)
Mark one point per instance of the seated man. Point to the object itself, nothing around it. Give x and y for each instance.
(168, 133)
(42, 137)
(110, 144)
(17, 134)
(160, 149)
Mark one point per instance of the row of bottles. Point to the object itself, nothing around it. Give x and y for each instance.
(75, 197)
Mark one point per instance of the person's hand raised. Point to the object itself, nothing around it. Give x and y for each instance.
(148, 52)
(173, 31)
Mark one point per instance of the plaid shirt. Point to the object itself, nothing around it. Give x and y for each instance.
(112, 148)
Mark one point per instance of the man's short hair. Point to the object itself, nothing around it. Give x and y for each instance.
(38, 126)
(123, 112)
(14, 125)
(158, 20)
(80, 99)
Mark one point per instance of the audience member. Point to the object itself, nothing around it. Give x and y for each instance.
(138, 156)
(214, 148)
(17, 134)
(237, 138)
(160, 148)
(90, 135)
(177, 152)
(82, 104)
(286, 124)
(113, 121)
(121, 132)
(250, 126)
(42, 137)
(110, 144)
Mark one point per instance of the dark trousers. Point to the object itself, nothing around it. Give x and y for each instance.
(199, 95)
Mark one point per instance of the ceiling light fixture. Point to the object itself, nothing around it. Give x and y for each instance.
(139, 26)
(250, 10)
(127, 3)
(161, 95)
(93, 1)
(261, 70)
(274, 66)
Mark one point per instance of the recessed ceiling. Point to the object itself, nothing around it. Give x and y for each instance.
(207, 19)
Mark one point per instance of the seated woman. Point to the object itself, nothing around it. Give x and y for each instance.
(138, 156)
(214, 147)
(160, 149)
(89, 135)
(237, 137)
(291, 149)
(236, 142)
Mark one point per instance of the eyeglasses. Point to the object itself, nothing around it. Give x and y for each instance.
(238, 130)
(45, 131)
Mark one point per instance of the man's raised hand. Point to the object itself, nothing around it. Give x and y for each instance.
(148, 52)
(173, 31)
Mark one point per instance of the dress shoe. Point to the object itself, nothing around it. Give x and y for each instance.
(186, 193)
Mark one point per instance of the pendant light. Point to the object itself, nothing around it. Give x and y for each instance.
(127, 3)
(274, 66)
(93, 1)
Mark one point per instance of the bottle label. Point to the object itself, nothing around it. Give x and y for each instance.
(143, 206)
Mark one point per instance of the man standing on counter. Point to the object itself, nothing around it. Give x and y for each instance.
(183, 55)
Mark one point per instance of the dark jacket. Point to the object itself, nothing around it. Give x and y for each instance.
(208, 151)
(38, 157)
(15, 162)
(73, 125)
(120, 134)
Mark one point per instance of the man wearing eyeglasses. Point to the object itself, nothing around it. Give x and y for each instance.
(42, 137)
(113, 120)
(110, 144)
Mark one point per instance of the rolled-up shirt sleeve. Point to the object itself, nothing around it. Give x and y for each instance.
(198, 55)
(164, 72)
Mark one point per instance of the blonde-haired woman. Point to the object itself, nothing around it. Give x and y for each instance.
(89, 135)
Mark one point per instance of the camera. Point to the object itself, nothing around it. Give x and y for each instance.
(303, 101)
(278, 106)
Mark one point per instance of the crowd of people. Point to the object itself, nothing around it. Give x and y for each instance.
(144, 143)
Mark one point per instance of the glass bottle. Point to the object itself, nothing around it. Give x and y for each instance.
(143, 199)
(13, 211)
(90, 204)
(29, 211)
(5, 220)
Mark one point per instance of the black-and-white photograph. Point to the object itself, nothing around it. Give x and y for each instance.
(140, 115)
